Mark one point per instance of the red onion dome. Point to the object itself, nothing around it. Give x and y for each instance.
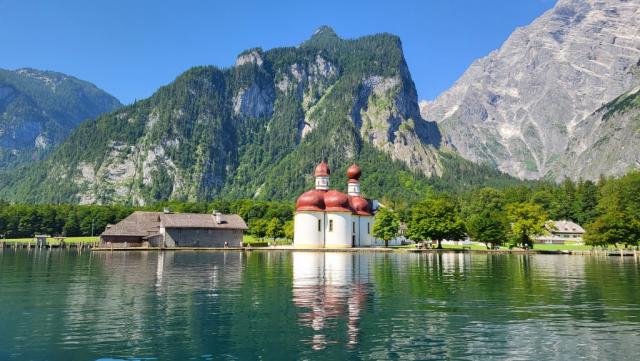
(335, 201)
(360, 206)
(354, 172)
(322, 170)
(312, 200)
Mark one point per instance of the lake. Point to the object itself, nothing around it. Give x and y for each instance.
(64, 305)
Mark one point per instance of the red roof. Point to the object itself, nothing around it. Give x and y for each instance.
(312, 200)
(333, 200)
(322, 170)
(336, 201)
(354, 172)
(360, 206)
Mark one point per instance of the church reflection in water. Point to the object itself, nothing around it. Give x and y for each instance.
(331, 290)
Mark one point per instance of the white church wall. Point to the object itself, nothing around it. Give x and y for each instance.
(306, 233)
(366, 231)
(338, 230)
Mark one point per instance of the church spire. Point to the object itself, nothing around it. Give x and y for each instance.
(353, 187)
(322, 173)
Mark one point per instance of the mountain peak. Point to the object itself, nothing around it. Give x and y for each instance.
(324, 30)
(322, 36)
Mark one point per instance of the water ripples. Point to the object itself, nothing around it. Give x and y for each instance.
(61, 305)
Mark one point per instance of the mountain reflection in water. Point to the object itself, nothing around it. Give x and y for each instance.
(63, 305)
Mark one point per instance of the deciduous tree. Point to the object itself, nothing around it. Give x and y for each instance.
(527, 221)
(436, 219)
(386, 225)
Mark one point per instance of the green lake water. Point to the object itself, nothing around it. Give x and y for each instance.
(277, 305)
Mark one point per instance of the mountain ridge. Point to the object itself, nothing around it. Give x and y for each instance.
(517, 108)
(38, 109)
(256, 130)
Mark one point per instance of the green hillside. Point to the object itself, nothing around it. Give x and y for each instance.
(38, 110)
(257, 130)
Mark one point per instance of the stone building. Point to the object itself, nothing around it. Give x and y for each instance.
(331, 219)
(166, 229)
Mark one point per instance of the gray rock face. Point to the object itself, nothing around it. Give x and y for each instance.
(254, 101)
(606, 142)
(518, 107)
(387, 114)
(253, 56)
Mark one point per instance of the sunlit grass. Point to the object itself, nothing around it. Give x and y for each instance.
(52, 241)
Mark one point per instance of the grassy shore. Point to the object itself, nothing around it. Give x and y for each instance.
(248, 239)
(52, 241)
(539, 247)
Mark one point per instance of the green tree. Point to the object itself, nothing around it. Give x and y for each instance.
(586, 202)
(621, 195)
(482, 200)
(488, 227)
(614, 228)
(386, 225)
(436, 219)
(527, 221)
(273, 229)
(71, 227)
(288, 229)
(485, 217)
(258, 228)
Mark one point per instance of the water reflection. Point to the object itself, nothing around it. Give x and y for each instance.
(330, 288)
(304, 305)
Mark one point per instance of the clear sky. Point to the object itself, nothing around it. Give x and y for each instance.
(131, 47)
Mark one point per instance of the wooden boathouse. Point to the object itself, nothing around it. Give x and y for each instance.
(168, 230)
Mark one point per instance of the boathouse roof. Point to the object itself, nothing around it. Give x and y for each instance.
(144, 224)
(197, 220)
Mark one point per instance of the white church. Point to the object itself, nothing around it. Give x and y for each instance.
(331, 219)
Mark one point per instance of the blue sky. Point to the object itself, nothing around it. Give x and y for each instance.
(131, 47)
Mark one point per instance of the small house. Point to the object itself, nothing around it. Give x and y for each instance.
(561, 232)
(166, 229)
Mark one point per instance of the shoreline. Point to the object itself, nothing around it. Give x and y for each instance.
(621, 253)
(83, 247)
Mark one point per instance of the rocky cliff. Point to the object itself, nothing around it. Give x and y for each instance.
(39, 109)
(606, 142)
(256, 129)
(525, 107)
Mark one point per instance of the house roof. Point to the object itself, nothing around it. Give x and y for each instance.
(566, 227)
(144, 224)
(136, 224)
(196, 220)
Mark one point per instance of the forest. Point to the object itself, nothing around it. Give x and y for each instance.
(511, 215)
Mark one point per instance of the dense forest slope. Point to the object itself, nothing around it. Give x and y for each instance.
(256, 130)
(522, 107)
(39, 109)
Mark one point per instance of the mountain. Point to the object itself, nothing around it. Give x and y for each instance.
(606, 142)
(525, 107)
(38, 110)
(258, 129)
